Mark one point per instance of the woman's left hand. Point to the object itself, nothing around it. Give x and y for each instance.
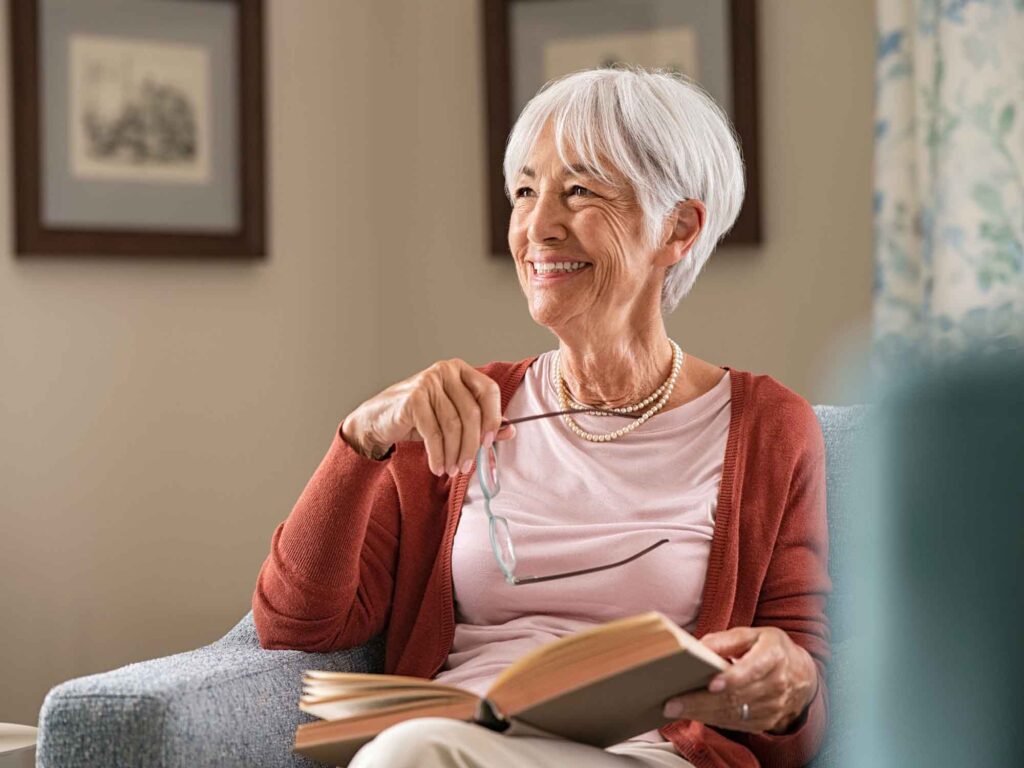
(773, 676)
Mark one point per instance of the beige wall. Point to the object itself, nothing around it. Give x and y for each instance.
(158, 418)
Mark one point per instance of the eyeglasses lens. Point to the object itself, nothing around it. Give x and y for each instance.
(489, 471)
(501, 539)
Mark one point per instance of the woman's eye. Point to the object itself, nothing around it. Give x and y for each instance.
(578, 191)
(522, 192)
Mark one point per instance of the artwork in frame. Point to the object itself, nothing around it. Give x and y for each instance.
(138, 127)
(528, 42)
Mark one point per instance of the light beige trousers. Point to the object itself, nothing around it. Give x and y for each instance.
(437, 742)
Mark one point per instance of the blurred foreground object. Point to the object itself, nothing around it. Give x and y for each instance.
(939, 608)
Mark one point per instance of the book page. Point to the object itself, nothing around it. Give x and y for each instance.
(337, 709)
(334, 742)
(576, 646)
(327, 683)
(316, 696)
(316, 687)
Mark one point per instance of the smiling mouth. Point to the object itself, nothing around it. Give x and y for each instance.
(557, 268)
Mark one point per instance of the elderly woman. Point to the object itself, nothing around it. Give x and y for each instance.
(622, 182)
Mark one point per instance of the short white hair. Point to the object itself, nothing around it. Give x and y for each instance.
(661, 131)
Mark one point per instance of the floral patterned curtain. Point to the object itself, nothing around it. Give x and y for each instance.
(949, 179)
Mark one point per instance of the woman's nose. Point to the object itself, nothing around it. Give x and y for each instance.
(547, 219)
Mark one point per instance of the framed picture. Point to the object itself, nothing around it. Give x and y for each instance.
(528, 42)
(138, 127)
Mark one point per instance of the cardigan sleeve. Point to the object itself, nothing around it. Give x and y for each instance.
(794, 594)
(328, 581)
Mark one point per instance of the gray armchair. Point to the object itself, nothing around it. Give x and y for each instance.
(232, 703)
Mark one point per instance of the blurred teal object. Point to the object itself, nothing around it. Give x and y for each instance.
(936, 572)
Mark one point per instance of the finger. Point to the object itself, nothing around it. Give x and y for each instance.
(469, 415)
(488, 397)
(687, 704)
(506, 433)
(725, 710)
(425, 423)
(731, 643)
(761, 660)
(761, 696)
(765, 707)
(451, 428)
(704, 707)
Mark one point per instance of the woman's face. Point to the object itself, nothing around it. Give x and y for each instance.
(570, 217)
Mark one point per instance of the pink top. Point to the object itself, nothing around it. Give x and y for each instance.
(574, 504)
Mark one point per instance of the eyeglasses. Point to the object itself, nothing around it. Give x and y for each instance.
(501, 537)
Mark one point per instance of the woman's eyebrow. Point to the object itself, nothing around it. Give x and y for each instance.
(580, 169)
(576, 169)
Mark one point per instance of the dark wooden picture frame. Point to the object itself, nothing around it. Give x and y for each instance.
(34, 237)
(497, 59)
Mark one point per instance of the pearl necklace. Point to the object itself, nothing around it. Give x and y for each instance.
(662, 394)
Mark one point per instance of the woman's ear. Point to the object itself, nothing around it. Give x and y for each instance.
(681, 229)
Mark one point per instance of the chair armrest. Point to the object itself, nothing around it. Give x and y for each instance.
(230, 703)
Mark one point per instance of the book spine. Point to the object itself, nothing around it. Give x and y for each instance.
(489, 716)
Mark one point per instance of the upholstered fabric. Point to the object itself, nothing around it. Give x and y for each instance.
(232, 703)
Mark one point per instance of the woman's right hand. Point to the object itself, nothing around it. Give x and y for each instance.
(450, 406)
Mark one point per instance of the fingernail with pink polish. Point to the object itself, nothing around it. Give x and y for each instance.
(489, 440)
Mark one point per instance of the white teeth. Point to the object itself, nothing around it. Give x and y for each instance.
(560, 266)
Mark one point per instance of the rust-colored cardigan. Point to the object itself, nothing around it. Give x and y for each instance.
(368, 548)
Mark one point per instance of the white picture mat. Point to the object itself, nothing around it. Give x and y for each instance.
(535, 26)
(673, 48)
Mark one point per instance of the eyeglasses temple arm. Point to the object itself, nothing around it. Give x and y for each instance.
(552, 577)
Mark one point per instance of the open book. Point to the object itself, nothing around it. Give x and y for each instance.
(598, 687)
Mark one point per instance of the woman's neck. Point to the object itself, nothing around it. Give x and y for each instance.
(615, 374)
